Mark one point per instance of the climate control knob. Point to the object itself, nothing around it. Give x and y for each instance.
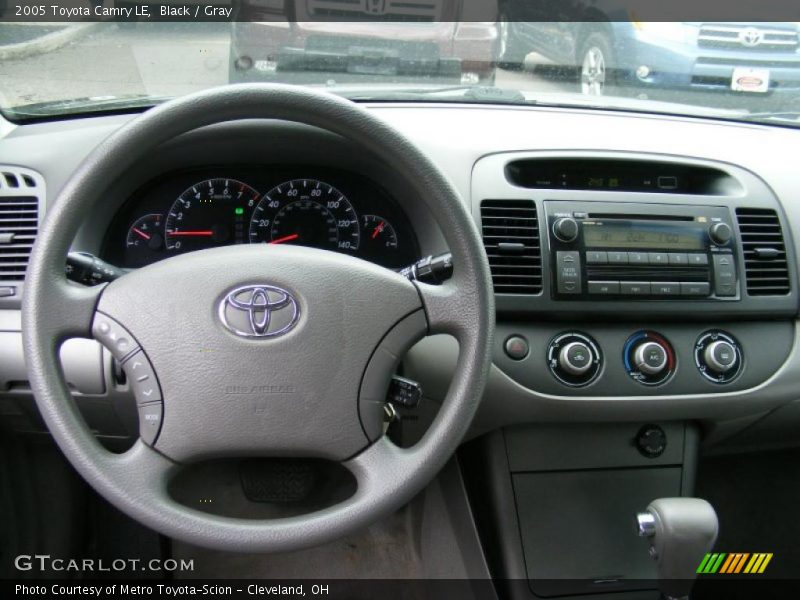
(574, 358)
(718, 356)
(650, 358)
(565, 229)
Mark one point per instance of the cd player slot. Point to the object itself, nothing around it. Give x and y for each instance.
(636, 217)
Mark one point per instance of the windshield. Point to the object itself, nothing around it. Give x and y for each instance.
(116, 56)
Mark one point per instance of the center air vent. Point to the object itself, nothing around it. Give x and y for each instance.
(511, 237)
(19, 222)
(765, 261)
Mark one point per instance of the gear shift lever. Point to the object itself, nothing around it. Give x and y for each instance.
(680, 531)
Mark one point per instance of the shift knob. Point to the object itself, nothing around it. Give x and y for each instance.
(680, 531)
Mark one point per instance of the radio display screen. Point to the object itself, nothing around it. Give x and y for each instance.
(637, 235)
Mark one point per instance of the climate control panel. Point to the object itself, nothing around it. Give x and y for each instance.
(627, 359)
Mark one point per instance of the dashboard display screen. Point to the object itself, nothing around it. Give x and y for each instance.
(627, 235)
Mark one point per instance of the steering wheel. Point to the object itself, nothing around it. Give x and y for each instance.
(257, 350)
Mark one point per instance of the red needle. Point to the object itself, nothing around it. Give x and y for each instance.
(286, 238)
(201, 233)
(378, 229)
(141, 233)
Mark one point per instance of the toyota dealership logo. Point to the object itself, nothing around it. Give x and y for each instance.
(259, 311)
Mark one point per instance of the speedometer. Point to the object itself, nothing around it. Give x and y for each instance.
(306, 212)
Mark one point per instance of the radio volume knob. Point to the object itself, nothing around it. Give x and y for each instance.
(720, 233)
(565, 229)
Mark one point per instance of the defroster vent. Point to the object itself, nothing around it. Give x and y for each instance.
(511, 237)
(765, 261)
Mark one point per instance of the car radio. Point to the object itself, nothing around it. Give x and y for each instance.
(614, 250)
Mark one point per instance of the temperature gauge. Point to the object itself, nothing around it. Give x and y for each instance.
(378, 232)
(145, 240)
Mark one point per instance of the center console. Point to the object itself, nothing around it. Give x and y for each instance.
(637, 296)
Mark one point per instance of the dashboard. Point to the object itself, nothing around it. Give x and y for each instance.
(620, 307)
(208, 207)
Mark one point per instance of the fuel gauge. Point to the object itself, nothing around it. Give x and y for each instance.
(145, 240)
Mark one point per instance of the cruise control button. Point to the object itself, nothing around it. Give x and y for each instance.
(698, 260)
(113, 336)
(658, 258)
(678, 258)
(635, 288)
(695, 288)
(618, 258)
(638, 258)
(596, 257)
(665, 288)
(604, 287)
(142, 378)
(150, 417)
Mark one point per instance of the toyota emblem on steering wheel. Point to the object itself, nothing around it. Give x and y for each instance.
(259, 311)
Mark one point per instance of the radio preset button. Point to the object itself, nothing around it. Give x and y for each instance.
(678, 258)
(618, 258)
(596, 257)
(665, 288)
(695, 289)
(604, 287)
(658, 258)
(638, 258)
(635, 288)
(698, 260)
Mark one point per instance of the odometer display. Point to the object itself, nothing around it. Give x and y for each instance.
(306, 212)
(208, 214)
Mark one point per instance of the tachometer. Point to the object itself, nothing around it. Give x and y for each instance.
(306, 212)
(209, 213)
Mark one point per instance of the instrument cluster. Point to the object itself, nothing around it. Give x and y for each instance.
(198, 209)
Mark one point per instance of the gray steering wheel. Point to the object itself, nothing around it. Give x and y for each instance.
(297, 364)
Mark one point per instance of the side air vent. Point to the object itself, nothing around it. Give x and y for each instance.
(765, 262)
(511, 237)
(19, 223)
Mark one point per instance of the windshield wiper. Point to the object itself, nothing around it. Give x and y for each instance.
(463, 93)
(84, 105)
